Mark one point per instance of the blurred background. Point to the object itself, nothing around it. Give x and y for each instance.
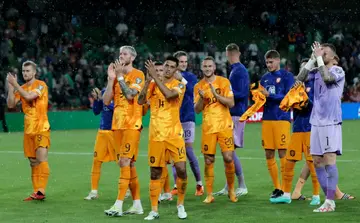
(74, 41)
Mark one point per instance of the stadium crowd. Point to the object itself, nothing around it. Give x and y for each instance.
(72, 65)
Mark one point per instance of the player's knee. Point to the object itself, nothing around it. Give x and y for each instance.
(33, 162)
(209, 159)
(188, 145)
(228, 157)
(132, 163)
(318, 161)
(155, 173)
(124, 161)
(269, 154)
(282, 153)
(181, 172)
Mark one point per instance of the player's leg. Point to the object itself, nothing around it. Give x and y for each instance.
(29, 152)
(208, 148)
(42, 145)
(165, 182)
(100, 151)
(133, 139)
(324, 156)
(238, 134)
(174, 190)
(268, 144)
(178, 155)
(294, 154)
(189, 137)
(304, 175)
(124, 159)
(226, 142)
(282, 140)
(156, 161)
(315, 200)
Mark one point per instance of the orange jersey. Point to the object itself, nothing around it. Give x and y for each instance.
(216, 116)
(165, 114)
(128, 114)
(36, 119)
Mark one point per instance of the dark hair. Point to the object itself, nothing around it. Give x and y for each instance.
(174, 59)
(180, 53)
(331, 46)
(272, 54)
(158, 63)
(232, 47)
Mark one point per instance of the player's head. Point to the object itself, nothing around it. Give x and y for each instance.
(208, 66)
(29, 70)
(159, 68)
(329, 52)
(182, 56)
(303, 62)
(233, 53)
(127, 54)
(170, 66)
(272, 59)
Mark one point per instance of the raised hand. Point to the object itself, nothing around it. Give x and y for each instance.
(111, 72)
(150, 66)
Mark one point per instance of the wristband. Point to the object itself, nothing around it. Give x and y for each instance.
(310, 64)
(320, 61)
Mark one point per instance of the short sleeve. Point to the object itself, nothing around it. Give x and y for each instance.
(196, 94)
(138, 81)
(180, 88)
(228, 92)
(41, 89)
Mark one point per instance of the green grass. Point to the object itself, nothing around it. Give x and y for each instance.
(70, 162)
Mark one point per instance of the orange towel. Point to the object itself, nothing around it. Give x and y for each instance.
(259, 99)
(295, 98)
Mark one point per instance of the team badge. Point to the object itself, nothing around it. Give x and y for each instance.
(278, 80)
(40, 87)
(308, 89)
(181, 86)
(138, 80)
(338, 70)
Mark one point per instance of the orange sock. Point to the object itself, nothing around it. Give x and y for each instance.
(134, 184)
(282, 171)
(155, 190)
(164, 174)
(288, 176)
(209, 178)
(273, 170)
(44, 173)
(315, 182)
(181, 185)
(35, 177)
(230, 175)
(166, 185)
(124, 181)
(95, 174)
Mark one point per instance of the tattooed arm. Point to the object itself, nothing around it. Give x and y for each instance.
(143, 93)
(128, 92)
(326, 76)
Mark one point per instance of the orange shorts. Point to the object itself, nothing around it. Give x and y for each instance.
(104, 149)
(127, 143)
(224, 138)
(34, 141)
(299, 144)
(159, 152)
(275, 134)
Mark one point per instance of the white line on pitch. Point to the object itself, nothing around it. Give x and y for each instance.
(145, 155)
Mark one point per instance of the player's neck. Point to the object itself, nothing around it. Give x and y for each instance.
(234, 61)
(210, 79)
(329, 65)
(30, 82)
(167, 80)
(128, 68)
